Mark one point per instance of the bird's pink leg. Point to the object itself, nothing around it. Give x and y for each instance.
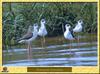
(29, 51)
(78, 40)
(72, 51)
(69, 44)
(70, 47)
(43, 40)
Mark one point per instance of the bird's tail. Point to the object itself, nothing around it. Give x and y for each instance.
(21, 41)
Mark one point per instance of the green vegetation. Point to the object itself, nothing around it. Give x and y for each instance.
(18, 16)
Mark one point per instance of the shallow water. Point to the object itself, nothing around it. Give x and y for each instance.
(55, 53)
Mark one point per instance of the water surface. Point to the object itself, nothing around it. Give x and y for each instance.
(56, 52)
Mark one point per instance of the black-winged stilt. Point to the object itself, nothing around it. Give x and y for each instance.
(29, 37)
(78, 28)
(42, 31)
(68, 34)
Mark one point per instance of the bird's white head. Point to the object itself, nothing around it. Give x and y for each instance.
(80, 21)
(67, 26)
(35, 26)
(30, 29)
(43, 21)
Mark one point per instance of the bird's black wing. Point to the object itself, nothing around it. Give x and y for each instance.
(71, 30)
(27, 36)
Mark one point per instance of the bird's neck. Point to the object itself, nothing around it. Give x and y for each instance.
(67, 29)
(42, 25)
(35, 30)
(79, 23)
(29, 31)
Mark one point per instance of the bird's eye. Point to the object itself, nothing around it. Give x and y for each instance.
(35, 25)
(68, 25)
(80, 21)
(43, 20)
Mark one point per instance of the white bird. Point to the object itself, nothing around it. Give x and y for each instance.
(29, 37)
(68, 34)
(42, 30)
(78, 28)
